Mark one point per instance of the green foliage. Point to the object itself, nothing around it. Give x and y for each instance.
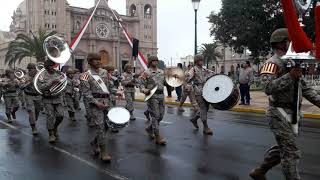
(210, 53)
(249, 23)
(25, 46)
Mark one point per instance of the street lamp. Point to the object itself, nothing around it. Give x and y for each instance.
(195, 4)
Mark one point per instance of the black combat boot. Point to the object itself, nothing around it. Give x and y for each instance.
(9, 117)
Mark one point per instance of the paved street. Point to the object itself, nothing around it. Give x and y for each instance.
(238, 145)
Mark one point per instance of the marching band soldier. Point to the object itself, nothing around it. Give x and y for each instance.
(88, 116)
(113, 81)
(188, 91)
(129, 83)
(70, 94)
(77, 93)
(33, 98)
(152, 78)
(278, 83)
(10, 85)
(198, 76)
(53, 104)
(96, 89)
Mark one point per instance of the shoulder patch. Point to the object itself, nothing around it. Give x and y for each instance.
(84, 77)
(269, 68)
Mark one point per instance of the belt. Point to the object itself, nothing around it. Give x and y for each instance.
(159, 92)
(129, 86)
(95, 95)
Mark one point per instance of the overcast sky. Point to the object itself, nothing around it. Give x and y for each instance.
(175, 23)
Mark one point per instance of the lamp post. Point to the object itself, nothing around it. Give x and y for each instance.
(195, 4)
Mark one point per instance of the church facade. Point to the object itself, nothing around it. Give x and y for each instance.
(103, 35)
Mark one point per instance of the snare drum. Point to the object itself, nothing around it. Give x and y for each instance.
(118, 117)
(221, 92)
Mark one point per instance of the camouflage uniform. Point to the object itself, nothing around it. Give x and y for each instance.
(198, 76)
(128, 82)
(10, 96)
(70, 98)
(33, 102)
(53, 104)
(188, 91)
(86, 103)
(279, 86)
(155, 104)
(95, 94)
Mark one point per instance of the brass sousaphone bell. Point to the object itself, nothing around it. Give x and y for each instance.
(58, 51)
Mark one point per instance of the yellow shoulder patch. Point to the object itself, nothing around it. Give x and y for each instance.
(269, 68)
(84, 77)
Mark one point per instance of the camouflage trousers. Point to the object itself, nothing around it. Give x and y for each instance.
(204, 108)
(192, 98)
(70, 103)
(129, 96)
(156, 109)
(11, 103)
(22, 98)
(99, 118)
(34, 106)
(285, 152)
(88, 110)
(54, 113)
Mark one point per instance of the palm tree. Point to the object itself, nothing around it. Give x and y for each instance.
(210, 53)
(26, 46)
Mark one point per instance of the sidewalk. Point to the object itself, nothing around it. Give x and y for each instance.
(259, 104)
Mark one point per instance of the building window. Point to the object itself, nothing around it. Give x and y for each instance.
(147, 11)
(133, 10)
(78, 24)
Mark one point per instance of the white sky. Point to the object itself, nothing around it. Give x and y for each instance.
(175, 23)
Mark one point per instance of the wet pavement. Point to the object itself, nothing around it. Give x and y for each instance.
(238, 145)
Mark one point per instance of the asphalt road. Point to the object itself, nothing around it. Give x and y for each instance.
(238, 145)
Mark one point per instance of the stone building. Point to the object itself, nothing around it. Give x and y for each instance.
(103, 35)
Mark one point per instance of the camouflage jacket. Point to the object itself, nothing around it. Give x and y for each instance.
(45, 81)
(91, 88)
(128, 81)
(70, 91)
(279, 86)
(154, 78)
(28, 87)
(10, 87)
(198, 76)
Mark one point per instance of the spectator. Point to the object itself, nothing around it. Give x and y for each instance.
(222, 70)
(179, 88)
(232, 74)
(213, 69)
(245, 80)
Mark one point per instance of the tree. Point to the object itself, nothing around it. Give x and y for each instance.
(249, 23)
(25, 46)
(210, 53)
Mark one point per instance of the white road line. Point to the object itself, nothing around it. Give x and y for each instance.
(88, 163)
(161, 122)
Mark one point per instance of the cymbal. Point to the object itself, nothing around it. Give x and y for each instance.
(175, 77)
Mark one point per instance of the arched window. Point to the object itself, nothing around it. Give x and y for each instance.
(147, 10)
(78, 24)
(133, 10)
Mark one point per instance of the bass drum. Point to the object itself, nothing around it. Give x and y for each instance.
(118, 117)
(221, 92)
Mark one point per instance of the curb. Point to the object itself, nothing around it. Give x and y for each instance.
(240, 109)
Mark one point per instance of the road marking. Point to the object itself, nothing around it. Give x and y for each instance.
(161, 122)
(88, 163)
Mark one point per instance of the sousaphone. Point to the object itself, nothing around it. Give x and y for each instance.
(58, 51)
